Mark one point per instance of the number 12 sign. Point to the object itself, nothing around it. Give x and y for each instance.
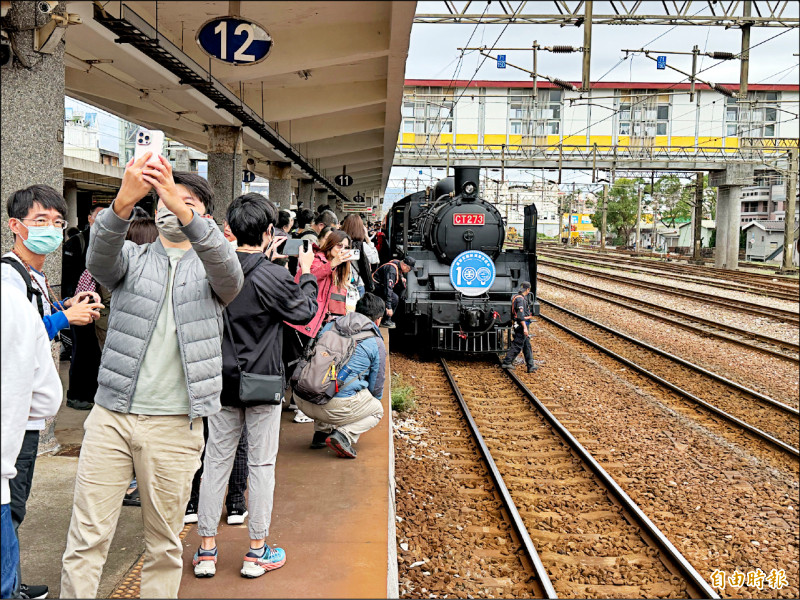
(234, 40)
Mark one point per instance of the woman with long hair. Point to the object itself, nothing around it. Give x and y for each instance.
(331, 267)
(361, 273)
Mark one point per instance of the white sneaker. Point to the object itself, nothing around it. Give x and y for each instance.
(300, 417)
(204, 565)
(237, 518)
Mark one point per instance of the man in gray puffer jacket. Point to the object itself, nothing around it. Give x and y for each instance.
(161, 371)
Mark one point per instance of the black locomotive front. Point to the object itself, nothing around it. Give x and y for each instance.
(434, 227)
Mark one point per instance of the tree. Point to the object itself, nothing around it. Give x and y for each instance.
(671, 199)
(621, 208)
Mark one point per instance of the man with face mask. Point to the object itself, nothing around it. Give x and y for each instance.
(160, 373)
(37, 217)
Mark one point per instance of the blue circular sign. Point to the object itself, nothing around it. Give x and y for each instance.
(234, 40)
(472, 273)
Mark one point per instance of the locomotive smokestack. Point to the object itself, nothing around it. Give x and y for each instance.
(467, 180)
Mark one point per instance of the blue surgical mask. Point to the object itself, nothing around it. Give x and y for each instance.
(43, 240)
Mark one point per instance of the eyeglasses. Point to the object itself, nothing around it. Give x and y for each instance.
(41, 222)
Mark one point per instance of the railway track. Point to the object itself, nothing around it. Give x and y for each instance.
(779, 314)
(758, 287)
(592, 540)
(754, 341)
(778, 424)
(778, 283)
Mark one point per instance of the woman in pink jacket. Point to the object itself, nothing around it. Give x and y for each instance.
(332, 270)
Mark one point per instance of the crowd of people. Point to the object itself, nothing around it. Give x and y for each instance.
(187, 342)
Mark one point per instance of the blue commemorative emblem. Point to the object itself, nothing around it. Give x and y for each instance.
(472, 273)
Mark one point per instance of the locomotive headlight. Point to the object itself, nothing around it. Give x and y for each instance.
(469, 189)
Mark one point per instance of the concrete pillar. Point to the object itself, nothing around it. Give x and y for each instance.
(720, 248)
(320, 197)
(280, 184)
(71, 196)
(729, 183)
(224, 166)
(337, 205)
(182, 162)
(32, 134)
(305, 193)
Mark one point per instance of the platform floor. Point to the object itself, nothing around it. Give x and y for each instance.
(333, 516)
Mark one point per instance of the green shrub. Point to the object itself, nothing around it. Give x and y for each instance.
(403, 397)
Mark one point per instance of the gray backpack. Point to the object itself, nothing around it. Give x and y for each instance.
(315, 379)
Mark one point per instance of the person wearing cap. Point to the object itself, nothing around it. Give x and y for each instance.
(520, 315)
(386, 277)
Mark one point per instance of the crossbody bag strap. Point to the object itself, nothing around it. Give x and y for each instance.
(233, 342)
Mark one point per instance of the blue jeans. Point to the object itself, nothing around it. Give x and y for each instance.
(10, 553)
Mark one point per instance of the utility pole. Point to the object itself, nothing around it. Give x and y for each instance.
(698, 220)
(744, 56)
(603, 222)
(789, 214)
(639, 220)
(569, 218)
(654, 200)
(587, 46)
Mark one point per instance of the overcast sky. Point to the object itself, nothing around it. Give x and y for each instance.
(433, 53)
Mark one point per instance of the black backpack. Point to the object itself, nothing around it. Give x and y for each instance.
(26, 277)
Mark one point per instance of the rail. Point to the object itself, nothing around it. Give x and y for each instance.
(687, 571)
(628, 303)
(738, 305)
(791, 450)
(548, 591)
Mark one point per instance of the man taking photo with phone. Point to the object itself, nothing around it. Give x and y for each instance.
(161, 371)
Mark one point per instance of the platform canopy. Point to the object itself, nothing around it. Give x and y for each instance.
(327, 96)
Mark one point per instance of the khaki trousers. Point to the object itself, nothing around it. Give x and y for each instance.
(352, 415)
(165, 452)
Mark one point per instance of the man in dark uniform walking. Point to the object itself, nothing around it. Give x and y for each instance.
(520, 314)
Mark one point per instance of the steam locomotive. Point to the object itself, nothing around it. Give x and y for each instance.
(436, 225)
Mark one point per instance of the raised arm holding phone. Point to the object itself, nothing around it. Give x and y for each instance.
(162, 360)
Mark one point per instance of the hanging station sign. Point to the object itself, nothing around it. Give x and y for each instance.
(234, 40)
(343, 180)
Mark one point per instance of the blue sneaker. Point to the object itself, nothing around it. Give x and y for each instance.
(205, 563)
(258, 562)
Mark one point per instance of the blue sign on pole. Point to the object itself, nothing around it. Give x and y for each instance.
(234, 40)
(501, 61)
(472, 273)
(661, 62)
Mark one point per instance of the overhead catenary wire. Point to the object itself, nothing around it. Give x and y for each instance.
(671, 86)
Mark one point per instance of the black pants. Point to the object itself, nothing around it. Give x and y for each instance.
(383, 293)
(85, 365)
(237, 484)
(20, 486)
(521, 342)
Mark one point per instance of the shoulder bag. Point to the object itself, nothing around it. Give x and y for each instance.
(255, 389)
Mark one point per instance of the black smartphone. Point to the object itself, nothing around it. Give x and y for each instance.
(291, 247)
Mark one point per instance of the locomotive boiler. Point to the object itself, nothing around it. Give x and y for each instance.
(435, 226)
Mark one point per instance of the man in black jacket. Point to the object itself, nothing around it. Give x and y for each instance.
(85, 359)
(386, 277)
(252, 343)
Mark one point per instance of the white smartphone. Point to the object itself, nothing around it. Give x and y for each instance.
(148, 140)
(355, 254)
